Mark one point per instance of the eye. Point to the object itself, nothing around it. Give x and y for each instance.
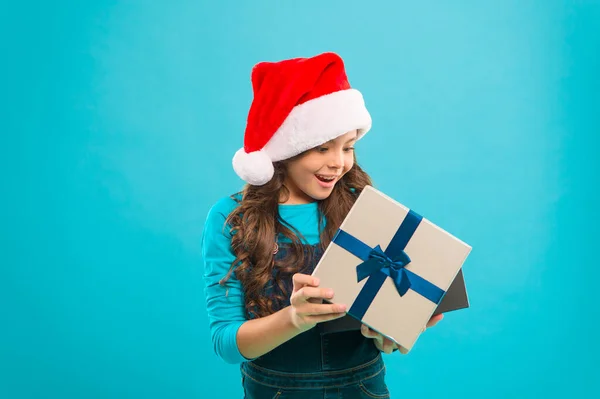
(321, 149)
(349, 149)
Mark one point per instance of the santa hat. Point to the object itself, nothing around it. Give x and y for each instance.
(298, 104)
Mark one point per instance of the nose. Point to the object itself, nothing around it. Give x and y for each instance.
(337, 160)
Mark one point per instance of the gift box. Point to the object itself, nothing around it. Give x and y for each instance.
(391, 266)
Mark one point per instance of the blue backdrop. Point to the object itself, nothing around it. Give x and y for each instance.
(118, 124)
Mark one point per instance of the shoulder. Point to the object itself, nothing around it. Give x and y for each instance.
(220, 210)
(224, 206)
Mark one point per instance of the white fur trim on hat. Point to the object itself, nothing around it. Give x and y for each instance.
(318, 121)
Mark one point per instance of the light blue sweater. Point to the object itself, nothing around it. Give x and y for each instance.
(225, 304)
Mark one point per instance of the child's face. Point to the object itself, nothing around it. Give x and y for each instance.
(312, 175)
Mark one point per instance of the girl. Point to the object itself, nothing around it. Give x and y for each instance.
(261, 245)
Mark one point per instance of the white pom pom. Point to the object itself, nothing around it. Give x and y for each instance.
(255, 168)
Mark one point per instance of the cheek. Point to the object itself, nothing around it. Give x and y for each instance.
(301, 175)
(304, 178)
(308, 170)
(348, 162)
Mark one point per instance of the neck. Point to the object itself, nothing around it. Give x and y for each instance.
(293, 198)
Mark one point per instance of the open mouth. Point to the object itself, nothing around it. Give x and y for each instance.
(326, 179)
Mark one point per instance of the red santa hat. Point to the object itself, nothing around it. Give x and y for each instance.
(298, 104)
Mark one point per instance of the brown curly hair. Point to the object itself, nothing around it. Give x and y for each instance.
(255, 223)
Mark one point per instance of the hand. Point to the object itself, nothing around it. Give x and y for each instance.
(306, 303)
(386, 345)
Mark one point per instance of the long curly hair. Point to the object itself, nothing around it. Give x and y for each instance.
(255, 223)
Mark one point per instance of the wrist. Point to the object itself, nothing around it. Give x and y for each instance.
(292, 321)
(288, 314)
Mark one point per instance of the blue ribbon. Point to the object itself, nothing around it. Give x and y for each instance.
(378, 265)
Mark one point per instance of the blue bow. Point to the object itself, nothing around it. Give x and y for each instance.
(378, 265)
(394, 268)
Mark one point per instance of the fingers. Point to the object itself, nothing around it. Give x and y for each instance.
(319, 318)
(300, 280)
(388, 345)
(314, 295)
(385, 345)
(382, 343)
(434, 320)
(319, 309)
(375, 336)
(367, 332)
(315, 292)
(309, 301)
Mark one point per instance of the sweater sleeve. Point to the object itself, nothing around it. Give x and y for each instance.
(224, 304)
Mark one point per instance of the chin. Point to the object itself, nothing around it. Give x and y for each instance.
(315, 192)
(321, 197)
(320, 194)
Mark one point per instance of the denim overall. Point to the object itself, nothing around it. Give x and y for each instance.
(313, 364)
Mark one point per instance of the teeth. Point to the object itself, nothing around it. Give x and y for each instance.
(326, 178)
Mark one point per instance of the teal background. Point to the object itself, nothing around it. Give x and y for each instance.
(118, 124)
